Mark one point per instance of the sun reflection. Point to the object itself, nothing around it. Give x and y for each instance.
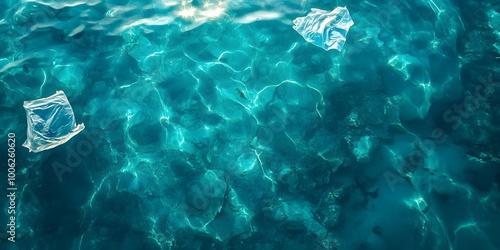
(212, 13)
(187, 12)
(208, 10)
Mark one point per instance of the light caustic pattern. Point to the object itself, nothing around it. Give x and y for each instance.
(216, 124)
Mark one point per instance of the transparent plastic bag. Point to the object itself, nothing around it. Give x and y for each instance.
(51, 122)
(327, 30)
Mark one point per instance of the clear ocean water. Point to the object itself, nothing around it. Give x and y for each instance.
(216, 125)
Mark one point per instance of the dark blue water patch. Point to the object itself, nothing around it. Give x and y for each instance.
(178, 88)
(312, 59)
(146, 134)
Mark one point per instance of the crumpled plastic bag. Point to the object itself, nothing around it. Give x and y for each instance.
(327, 30)
(51, 122)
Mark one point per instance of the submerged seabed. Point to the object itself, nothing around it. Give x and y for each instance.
(214, 125)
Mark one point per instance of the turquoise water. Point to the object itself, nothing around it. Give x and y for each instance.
(215, 125)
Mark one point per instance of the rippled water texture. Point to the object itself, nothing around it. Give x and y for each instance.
(215, 125)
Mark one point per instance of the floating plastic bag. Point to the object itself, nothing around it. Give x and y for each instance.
(51, 122)
(327, 30)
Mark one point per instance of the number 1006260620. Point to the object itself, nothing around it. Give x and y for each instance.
(11, 160)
